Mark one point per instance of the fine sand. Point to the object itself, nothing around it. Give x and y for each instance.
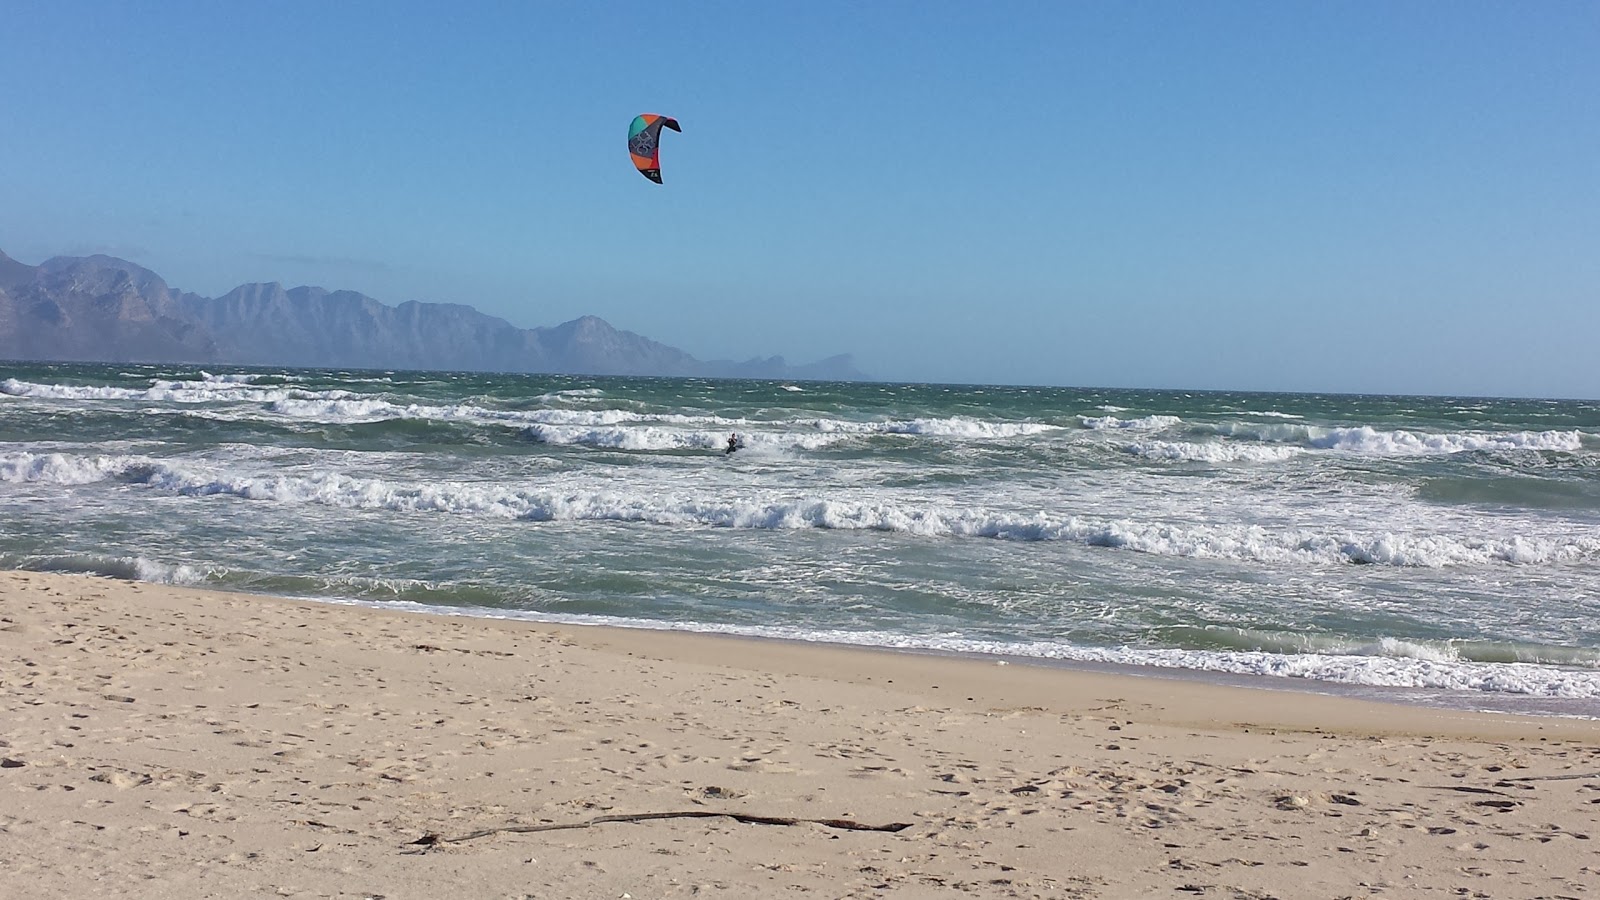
(162, 742)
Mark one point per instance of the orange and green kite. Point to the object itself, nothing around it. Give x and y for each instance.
(644, 143)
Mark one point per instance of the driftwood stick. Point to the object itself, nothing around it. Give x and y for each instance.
(1510, 782)
(431, 839)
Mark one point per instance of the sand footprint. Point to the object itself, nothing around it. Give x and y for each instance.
(121, 779)
(764, 766)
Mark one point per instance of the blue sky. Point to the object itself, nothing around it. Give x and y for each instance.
(1352, 196)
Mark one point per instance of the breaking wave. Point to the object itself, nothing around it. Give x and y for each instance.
(128, 568)
(168, 392)
(1248, 543)
(1369, 441)
(654, 438)
(1387, 663)
(1144, 423)
(1185, 451)
(561, 424)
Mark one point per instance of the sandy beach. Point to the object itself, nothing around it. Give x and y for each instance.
(164, 742)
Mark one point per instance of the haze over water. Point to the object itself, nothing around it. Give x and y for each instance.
(1436, 550)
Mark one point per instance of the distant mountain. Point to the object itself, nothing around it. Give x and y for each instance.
(95, 309)
(103, 309)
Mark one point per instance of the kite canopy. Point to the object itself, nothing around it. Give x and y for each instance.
(644, 143)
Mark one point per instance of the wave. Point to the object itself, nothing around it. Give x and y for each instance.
(1369, 441)
(1397, 671)
(953, 427)
(1185, 451)
(1556, 673)
(1145, 423)
(128, 568)
(962, 427)
(244, 378)
(571, 395)
(334, 407)
(1356, 669)
(168, 392)
(668, 439)
(60, 468)
(1245, 543)
(1192, 637)
(226, 378)
(339, 407)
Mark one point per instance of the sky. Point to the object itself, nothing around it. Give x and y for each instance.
(1390, 197)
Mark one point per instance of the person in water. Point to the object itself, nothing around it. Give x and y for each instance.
(733, 443)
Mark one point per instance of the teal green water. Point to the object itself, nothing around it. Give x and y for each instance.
(1443, 546)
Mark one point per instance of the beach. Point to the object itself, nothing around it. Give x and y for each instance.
(160, 741)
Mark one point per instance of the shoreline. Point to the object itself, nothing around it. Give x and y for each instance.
(1448, 700)
(231, 744)
(1441, 699)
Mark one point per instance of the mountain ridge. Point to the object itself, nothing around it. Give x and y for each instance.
(104, 309)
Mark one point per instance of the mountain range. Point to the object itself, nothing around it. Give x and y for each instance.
(103, 309)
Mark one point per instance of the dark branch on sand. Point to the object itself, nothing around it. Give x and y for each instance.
(1511, 782)
(429, 840)
(1463, 789)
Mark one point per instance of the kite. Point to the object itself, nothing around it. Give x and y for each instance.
(644, 138)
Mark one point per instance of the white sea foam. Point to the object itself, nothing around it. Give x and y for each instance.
(954, 427)
(62, 468)
(1270, 432)
(1377, 671)
(336, 411)
(571, 394)
(131, 568)
(166, 392)
(163, 573)
(803, 433)
(1216, 452)
(1399, 670)
(1338, 645)
(1246, 543)
(1395, 648)
(345, 407)
(655, 438)
(241, 378)
(1368, 441)
(1143, 423)
(962, 427)
(347, 411)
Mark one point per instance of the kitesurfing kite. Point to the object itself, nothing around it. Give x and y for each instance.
(644, 143)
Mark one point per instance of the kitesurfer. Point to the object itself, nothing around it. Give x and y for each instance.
(733, 443)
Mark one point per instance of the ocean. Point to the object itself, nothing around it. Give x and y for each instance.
(1430, 550)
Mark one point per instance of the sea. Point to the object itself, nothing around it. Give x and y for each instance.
(1439, 551)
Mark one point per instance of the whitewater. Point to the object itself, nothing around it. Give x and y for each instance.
(1431, 550)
